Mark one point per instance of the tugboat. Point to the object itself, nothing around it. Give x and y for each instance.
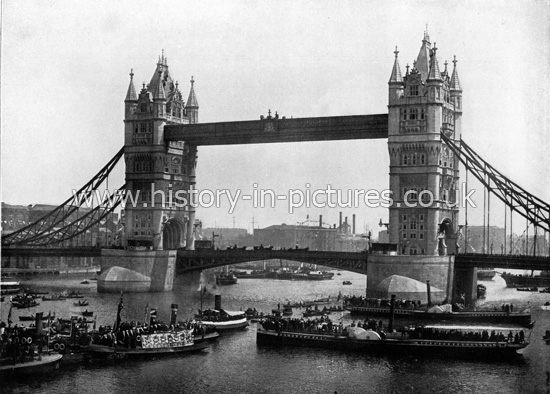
(18, 357)
(222, 319)
(226, 278)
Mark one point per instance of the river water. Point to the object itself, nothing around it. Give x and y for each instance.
(236, 365)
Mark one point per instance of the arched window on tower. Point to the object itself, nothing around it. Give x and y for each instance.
(422, 158)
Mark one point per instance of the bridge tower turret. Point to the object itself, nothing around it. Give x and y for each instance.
(155, 217)
(423, 170)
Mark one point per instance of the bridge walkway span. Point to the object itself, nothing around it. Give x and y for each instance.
(196, 260)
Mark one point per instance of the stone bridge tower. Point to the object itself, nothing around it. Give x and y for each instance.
(424, 176)
(158, 174)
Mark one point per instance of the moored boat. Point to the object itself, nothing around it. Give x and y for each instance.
(496, 343)
(485, 273)
(73, 294)
(37, 364)
(221, 319)
(527, 289)
(131, 339)
(162, 343)
(446, 314)
(87, 313)
(226, 278)
(512, 280)
(319, 275)
(54, 297)
(9, 287)
(22, 304)
(255, 274)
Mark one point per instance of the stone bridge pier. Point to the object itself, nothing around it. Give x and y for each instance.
(135, 271)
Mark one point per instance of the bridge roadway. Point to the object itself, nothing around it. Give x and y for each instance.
(275, 129)
(350, 261)
(189, 260)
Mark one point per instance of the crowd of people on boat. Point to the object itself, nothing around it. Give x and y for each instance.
(218, 315)
(325, 325)
(128, 334)
(422, 332)
(319, 325)
(19, 344)
(380, 302)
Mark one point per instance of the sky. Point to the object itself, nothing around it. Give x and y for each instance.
(64, 77)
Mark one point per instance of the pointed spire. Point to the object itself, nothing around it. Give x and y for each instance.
(455, 82)
(159, 91)
(396, 76)
(192, 99)
(434, 74)
(162, 59)
(422, 61)
(131, 94)
(426, 36)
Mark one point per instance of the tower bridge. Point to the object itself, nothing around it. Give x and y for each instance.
(423, 127)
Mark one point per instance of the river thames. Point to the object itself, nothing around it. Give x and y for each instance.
(235, 364)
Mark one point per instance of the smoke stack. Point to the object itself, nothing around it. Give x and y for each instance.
(218, 302)
(320, 220)
(346, 229)
(353, 224)
(340, 225)
(174, 315)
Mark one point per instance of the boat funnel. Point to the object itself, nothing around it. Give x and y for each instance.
(174, 315)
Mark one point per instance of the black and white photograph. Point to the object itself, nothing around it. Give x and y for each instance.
(325, 197)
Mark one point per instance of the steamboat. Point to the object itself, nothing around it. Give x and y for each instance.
(496, 343)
